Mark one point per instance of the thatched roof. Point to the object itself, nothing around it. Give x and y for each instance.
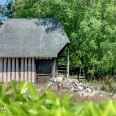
(43, 37)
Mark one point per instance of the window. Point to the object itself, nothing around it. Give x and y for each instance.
(43, 66)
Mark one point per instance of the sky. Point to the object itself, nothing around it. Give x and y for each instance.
(3, 2)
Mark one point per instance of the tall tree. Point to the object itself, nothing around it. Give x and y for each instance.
(69, 12)
(9, 11)
(2, 12)
(90, 25)
(99, 28)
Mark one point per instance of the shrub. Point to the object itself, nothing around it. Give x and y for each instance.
(23, 99)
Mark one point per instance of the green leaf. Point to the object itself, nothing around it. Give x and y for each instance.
(13, 110)
(3, 89)
(38, 104)
(32, 112)
(15, 87)
(2, 103)
(51, 96)
(8, 98)
(33, 91)
(23, 87)
(94, 109)
(68, 97)
(109, 109)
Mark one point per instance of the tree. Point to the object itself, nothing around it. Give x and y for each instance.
(69, 12)
(8, 10)
(2, 11)
(99, 28)
(90, 25)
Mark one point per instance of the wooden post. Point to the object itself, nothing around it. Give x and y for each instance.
(29, 69)
(33, 71)
(4, 75)
(22, 70)
(68, 63)
(83, 72)
(54, 68)
(17, 69)
(1, 69)
(9, 69)
(26, 69)
(13, 68)
(80, 71)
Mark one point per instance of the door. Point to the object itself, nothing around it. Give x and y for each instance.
(43, 70)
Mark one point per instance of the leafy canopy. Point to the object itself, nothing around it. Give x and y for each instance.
(89, 24)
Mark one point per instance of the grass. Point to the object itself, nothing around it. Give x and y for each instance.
(107, 84)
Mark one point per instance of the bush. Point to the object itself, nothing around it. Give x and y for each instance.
(23, 99)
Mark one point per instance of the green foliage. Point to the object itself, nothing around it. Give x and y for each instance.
(89, 24)
(2, 9)
(9, 10)
(22, 99)
(2, 12)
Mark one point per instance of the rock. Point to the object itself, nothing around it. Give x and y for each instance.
(89, 90)
(49, 85)
(72, 85)
(59, 85)
(53, 79)
(59, 79)
(61, 75)
(114, 96)
(93, 93)
(80, 88)
(66, 88)
(75, 90)
(85, 94)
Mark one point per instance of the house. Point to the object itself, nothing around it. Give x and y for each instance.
(30, 49)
